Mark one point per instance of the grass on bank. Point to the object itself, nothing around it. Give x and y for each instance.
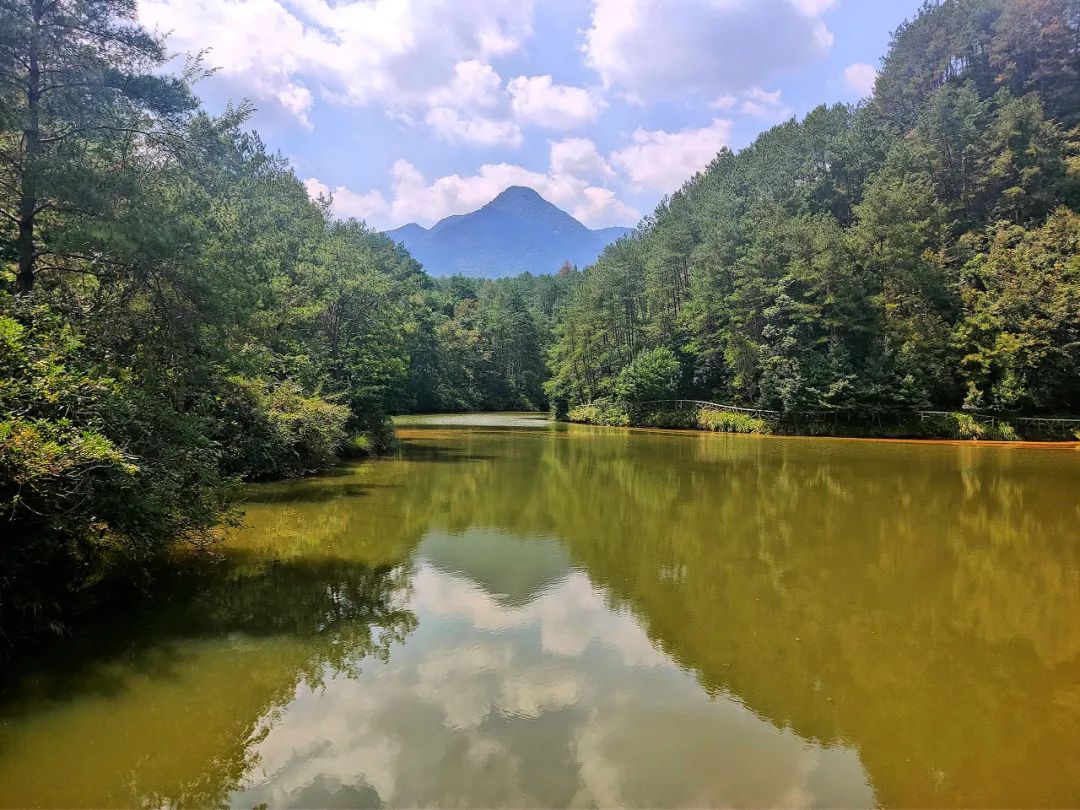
(953, 425)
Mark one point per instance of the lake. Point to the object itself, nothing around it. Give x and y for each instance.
(515, 613)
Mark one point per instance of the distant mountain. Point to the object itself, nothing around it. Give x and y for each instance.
(517, 231)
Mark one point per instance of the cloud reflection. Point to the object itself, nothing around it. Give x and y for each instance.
(559, 700)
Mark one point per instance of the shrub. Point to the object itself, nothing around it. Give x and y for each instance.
(358, 446)
(670, 418)
(652, 375)
(727, 422)
(1007, 433)
(379, 431)
(97, 475)
(966, 426)
(600, 413)
(276, 431)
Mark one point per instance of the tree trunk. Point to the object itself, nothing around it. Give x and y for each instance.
(24, 280)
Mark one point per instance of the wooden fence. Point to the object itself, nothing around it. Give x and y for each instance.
(1049, 424)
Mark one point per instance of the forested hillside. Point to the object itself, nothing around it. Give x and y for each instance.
(482, 344)
(919, 250)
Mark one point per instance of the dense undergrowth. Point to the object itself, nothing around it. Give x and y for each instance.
(949, 425)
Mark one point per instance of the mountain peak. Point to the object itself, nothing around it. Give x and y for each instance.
(521, 192)
(517, 196)
(517, 231)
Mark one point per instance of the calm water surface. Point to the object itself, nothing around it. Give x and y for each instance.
(516, 613)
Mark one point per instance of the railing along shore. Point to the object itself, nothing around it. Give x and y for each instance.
(1049, 423)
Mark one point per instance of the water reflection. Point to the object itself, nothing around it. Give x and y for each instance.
(510, 614)
(528, 689)
(166, 708)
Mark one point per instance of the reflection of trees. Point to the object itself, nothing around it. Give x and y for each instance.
(174, 700)
(919, 602)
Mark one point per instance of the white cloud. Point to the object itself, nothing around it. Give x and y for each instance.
(654, 49)
(539, 101)
(417, 200)
(579, 157)
(472, 108)
(348, 204)
(860, 77)
(600, 205)
(813, 8)
(663, 161)
(454, 127)
(392, 52)
(474, 85)
(764, 104)
(414, 198)
(297, 100)
(725, 101)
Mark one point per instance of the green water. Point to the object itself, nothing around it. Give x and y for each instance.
(519, 614)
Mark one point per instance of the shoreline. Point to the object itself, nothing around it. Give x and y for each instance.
(460, 419)
(951, 428)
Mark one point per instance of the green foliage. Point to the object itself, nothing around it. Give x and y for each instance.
(182, 314)
(728, 422)
(275, 432)
(359, 446)
(966, 426)
(915, 252)
(652, 375)
(601, 413)
(95, 477)
(482, 345)
(1021, 338)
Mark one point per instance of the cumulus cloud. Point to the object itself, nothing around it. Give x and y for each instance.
(654, 49)
(414, 198)
(348, 204)
(766, 105)
(393, 52)
(725, 101)
(472, 108)
(456, 127)
(418, 200)
(663, 161)
(474, 85)
(600, 206)
(538, 100)
(860, 78)
(579, 157)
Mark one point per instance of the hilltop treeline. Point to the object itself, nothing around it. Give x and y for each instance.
(918, 250)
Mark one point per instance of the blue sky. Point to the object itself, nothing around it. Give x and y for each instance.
(412, 110)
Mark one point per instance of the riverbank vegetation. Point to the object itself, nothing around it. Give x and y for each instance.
(686, 415)
(918, 251)
(178, 316)
(482, 343)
